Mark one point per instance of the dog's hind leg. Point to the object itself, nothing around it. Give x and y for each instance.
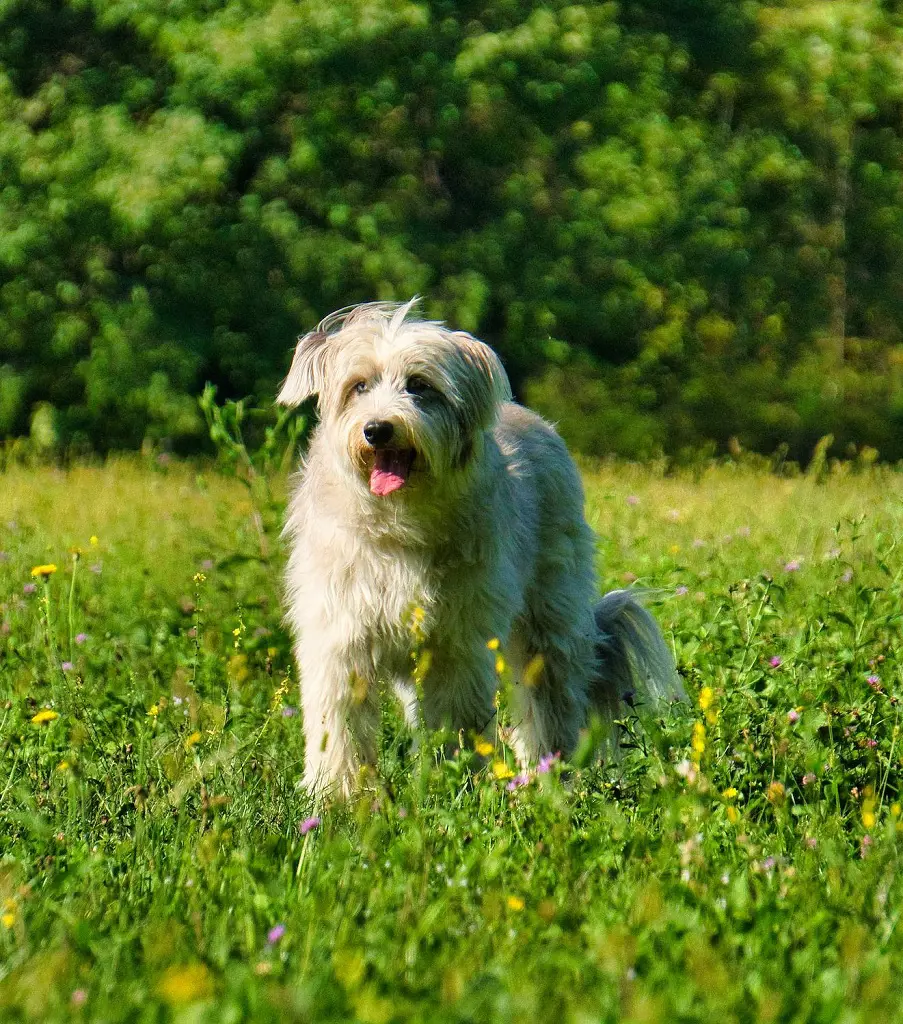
(341, 721)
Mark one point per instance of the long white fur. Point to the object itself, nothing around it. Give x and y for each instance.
(487, 539)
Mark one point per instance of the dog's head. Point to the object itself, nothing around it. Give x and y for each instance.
(403, 399)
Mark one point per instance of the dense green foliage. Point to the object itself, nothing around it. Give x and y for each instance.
(740, 865)
(678, 222)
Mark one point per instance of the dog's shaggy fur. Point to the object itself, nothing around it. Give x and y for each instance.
(429, 501)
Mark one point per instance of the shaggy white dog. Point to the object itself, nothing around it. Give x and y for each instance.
(433, 512)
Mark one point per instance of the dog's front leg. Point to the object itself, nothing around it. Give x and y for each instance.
(341, 718)
(459, 690)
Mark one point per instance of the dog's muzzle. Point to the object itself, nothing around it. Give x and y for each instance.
(391, 464)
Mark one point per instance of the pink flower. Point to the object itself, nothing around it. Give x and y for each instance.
(792, 566)
(682, 591)
(275, 934)
(776, 661)
(66, 666)
(545, 763)
(875, 683)
(808, 779)
(793, 716)
(288, 711)
(80, 638)
(29, 588)
(79, 997)
(865, 846)
(632, 499)
(519, 780)
(871, 744)
(308, 825)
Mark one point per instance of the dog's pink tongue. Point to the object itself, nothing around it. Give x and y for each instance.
(390, 471)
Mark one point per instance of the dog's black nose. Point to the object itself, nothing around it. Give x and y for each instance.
(378, 433)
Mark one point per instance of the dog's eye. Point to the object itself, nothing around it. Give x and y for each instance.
(360, 387)
(418, 387)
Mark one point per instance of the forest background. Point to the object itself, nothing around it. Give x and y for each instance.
(680, 223)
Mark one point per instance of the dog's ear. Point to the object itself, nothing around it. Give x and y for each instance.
(487, 384)
(309, 370)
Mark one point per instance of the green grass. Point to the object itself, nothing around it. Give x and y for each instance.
(149, 834)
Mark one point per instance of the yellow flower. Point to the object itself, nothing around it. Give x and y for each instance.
(43, 571)
(418, 614)
(199, 577)
(868, 809)
(775, 793)
(515, 903)
(501, 771)
(45, 715)
(499, 664)
(190, 741)
(493, 644)
(674, 549)
(698, 741)
(729, 793)
(8, 919)
(94, 541)
(153, 710)
(733, 815)
(706, 697)
(895, 810)
(483, 748)
(185, 984)
(63, 766)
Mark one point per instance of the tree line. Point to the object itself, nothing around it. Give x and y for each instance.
(680, 223)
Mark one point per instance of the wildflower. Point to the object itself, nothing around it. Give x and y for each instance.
(153, 710)
(191, 740)
(185, 983)
(674, 549)
(289, 712)
(811, 842)
(80, 638)
(199, 577)
(483, 748)
(66, 666)
(79, 997)
(43, 716)
(698, 741)
(847, 576)
(706, 697)
(792, 566)
(43, 571)
(93, 541)
(207, 564)
(29, 588)
(519, 780)
(501, 771)
(515, 903)
(729, 793)
(875, 683)
(8, 917)
(63, 766)
(275, 934)
(793, 716)
(776, 661)
(499, 664)
(686, 770)
(871, 744)
(493, 644)
(865, 846)
(632, 499)
(775, 793)
(308, 825)
(682, 591)
(733, 815)
(808, 779)
(545, 763)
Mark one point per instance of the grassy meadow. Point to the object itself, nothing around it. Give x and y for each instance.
(158, 860)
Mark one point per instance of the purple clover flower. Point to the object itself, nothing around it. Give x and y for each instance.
(776, 661)
(275, 934)
(545, 763)
(66, 666)
(519, 780)
(80, 638)
(308, 825)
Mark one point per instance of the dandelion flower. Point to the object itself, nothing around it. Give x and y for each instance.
(43, 716)
(43, 571)
(515, 903)
(501, 771)
(484, 748)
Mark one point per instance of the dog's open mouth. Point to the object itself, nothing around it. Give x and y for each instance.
(391, 468)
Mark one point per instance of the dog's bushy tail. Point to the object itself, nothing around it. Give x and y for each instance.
(634, 664)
